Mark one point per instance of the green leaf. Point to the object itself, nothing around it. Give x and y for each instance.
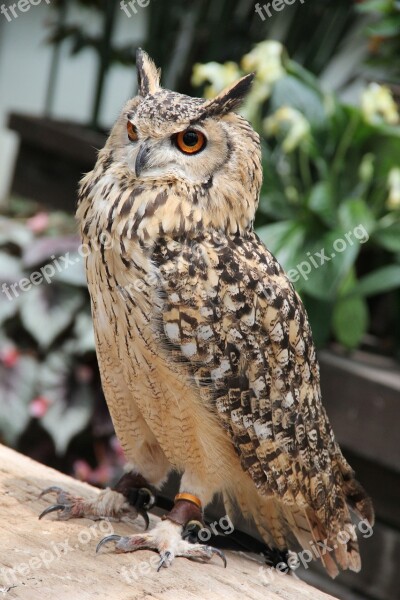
(14, 232)
(321, 202)
(320, 316)
(73, 274)
(326, 264)
(350, 320)
(284, 240)
(43, 250)
(289, 91)
(380, 281)
(8, 306)
(17, 387)
(354, 214)
(388, 236)
(379, 6)
(10, 269)
(83, 341)
(47, 310)
(71, 405)
(387, 28)
(10, 273)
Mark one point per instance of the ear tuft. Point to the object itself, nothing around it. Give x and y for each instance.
(230, 98)
(147, 73)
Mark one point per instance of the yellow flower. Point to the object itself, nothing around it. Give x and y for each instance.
(266, 60)
(290, 123)
(393, 202)
(219, 76)
(378, 105)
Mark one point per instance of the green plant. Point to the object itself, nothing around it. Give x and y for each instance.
(328, 169)
(384, 34)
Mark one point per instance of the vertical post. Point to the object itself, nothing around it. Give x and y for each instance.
(105, 52)
(55, 62)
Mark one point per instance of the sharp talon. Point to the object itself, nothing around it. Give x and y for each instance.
(219, 553)
(164, 560)
(50, 509)
(191, 530)
(53, 488)
(151, 498)
(108, 538)
(144, 516)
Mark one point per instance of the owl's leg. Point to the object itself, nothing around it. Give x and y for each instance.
(131, 496)
(167, 536)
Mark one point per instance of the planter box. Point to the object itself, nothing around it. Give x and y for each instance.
(362, 398)
(52, 158)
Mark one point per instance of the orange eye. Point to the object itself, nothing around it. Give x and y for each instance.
(132, 132)
(190, 141)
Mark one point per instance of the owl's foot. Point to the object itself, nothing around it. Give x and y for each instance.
(170, 537)
(166, 539)
(124, 503)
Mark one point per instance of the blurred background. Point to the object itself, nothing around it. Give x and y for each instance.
(326, 104)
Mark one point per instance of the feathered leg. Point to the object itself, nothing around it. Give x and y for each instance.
(132, 496)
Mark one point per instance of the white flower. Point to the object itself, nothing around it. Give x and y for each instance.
(266, 60)
(378, 105)
(394, 189)
(367, 167)
(258, 94)
(289, 122)
(219, 76)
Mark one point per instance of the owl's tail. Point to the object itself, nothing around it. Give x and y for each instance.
(285, 526)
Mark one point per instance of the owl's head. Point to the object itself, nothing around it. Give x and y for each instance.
(196, 148)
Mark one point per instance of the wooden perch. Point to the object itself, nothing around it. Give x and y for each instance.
(56, 560)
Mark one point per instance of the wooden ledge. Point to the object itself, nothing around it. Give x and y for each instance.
(56, 560)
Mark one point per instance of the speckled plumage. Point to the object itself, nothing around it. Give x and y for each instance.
(205, 350)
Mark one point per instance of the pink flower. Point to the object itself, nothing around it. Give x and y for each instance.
(9, 357)
(117, 448)
(84, 374)
(39, 222)
(82, 470)
(38, 407)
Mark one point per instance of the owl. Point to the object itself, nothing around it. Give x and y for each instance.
(205, 351)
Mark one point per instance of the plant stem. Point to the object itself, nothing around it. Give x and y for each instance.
(345, 143)
(305, 171)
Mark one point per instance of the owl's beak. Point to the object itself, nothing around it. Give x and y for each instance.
(141, 159)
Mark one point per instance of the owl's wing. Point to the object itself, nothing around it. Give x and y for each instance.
(236, 320)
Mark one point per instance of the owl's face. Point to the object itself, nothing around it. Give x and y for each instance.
(193, 147)
(164, 139)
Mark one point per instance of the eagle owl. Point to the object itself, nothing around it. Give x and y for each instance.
(205, 350)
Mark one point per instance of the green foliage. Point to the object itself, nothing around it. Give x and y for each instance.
(330, 202)
(383, 34)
